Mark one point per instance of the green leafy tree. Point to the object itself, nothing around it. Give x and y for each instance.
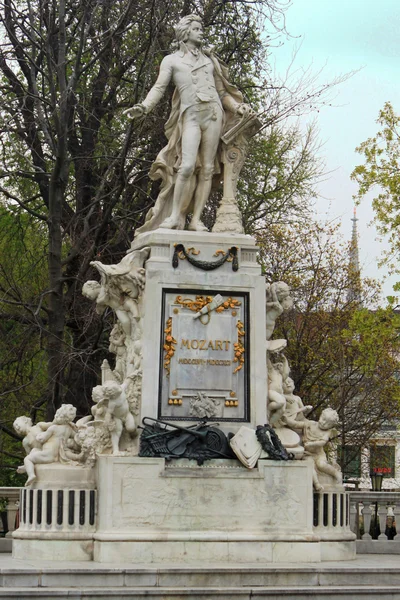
(342, 353)
(380, 175)
(79, 168)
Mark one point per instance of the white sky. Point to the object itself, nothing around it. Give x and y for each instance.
(346, 35)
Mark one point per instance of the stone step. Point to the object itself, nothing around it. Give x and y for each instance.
(290, 576)
(205, 593)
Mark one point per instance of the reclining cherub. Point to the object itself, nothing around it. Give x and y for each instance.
(45, 440)
(23, 426)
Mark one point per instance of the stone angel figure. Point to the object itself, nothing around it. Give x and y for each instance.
(278, 299)
(120, 287)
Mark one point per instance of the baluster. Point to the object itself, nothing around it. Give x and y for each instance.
(27, 509)
(321, 508)
(382, 514)
(367, 520)
(65, 509)
(87, 507)
(330, 510)
(354, 518)
(34, 510)
(396, 512)
(54, 508)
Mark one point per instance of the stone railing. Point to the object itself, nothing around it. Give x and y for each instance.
(363, 508)
(60, 510)
(12, 495)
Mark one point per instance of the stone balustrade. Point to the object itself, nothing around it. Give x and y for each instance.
(363, 507)
(12, 495)
(331, 519)
(55, 510)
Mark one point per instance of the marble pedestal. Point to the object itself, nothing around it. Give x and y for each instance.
(57, 515)
(203, 354)
(151, 511)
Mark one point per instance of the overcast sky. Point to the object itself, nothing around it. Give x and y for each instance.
(346, 35)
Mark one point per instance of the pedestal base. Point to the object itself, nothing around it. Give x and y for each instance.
(57, 515)
(156, 512)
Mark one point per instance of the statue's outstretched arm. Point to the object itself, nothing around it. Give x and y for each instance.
(156, 92)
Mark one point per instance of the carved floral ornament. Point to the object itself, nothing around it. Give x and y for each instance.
(201, 301)
(238, 347)
(181, 253)
(169, 346)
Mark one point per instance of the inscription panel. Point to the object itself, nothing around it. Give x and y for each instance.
(205, 356)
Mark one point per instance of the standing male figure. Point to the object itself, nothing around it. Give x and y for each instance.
(187, 164)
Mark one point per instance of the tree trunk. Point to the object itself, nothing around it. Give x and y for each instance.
(55, 332)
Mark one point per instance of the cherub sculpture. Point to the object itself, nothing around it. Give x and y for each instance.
(295, 409)
(113, 409)
(117, 346)
(278, 299)
(89, 440)
(277, 374)
(23, 426)
(51, 441)
(315, 436)
(120, 288)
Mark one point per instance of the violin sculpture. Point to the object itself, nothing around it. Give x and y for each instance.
(199, 442)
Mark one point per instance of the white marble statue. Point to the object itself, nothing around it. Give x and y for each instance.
(50, 440)
(134, 378)
(120, 288)
(23, 426)
(316, 434)
(205, 106)
(118, 347)
(277, 373)
(278, 299)
(295, 409)
(89, 441)
(112, 409)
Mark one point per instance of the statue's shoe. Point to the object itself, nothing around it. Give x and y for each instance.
(197, 226)
(171, 223)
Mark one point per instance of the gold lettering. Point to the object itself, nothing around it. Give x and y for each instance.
(219, 363)
(194, 347)
(202, 344)
(210, 345)
(185, 343)
(226, 342)
(218, 344)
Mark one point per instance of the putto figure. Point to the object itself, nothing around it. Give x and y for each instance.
(50, 440)
(192, 156)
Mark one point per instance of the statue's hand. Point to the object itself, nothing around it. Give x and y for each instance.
(135, 112)
(41, 438)
(244, 110)
(140, 278)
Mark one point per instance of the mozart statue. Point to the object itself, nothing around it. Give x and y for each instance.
(204, 107)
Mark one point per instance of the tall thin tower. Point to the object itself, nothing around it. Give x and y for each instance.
(354, 291)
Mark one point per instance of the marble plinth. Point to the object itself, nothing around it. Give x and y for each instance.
(57, 514)
(203, 351)
(151, 511)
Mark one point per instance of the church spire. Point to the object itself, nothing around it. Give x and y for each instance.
(354, 294)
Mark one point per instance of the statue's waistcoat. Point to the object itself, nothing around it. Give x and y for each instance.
(194, 79)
